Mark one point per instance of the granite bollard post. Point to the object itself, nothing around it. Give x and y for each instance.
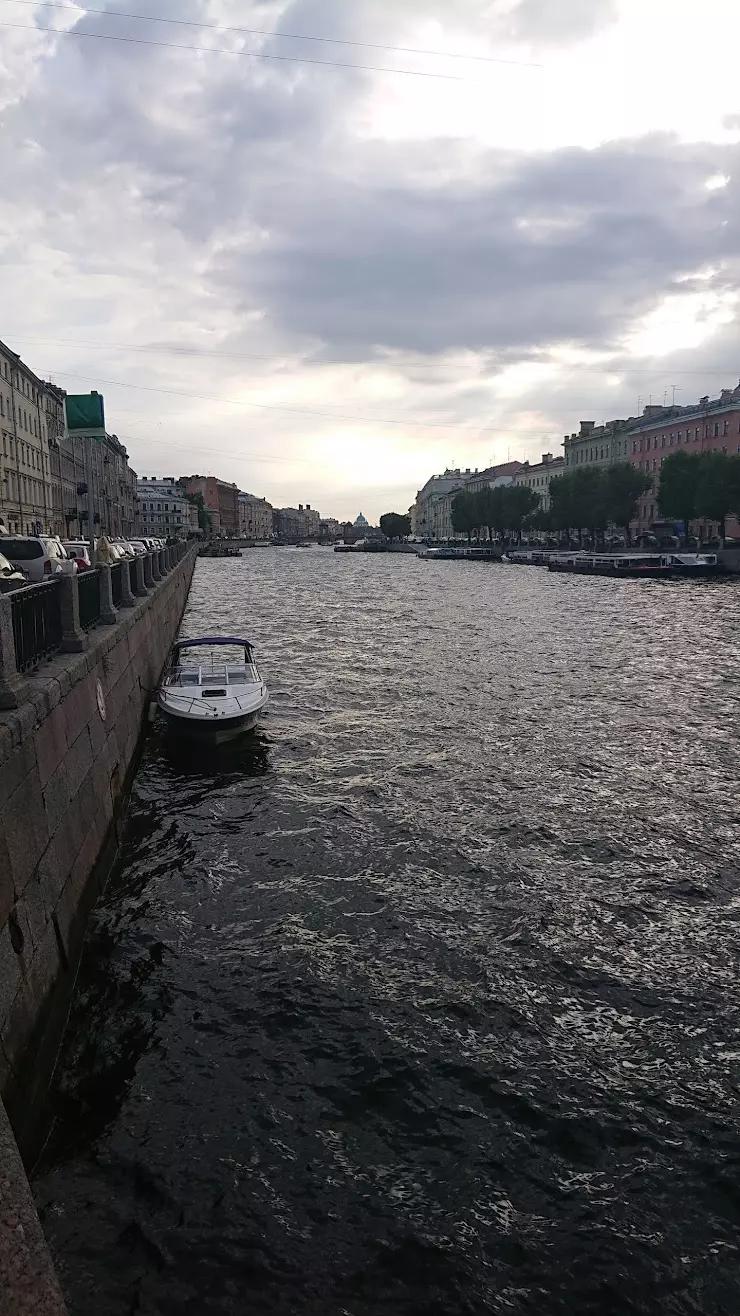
(108, 614)
(11, 683)
(74, 639)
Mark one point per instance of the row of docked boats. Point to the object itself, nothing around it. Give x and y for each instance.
(469, 553)
(636, 566)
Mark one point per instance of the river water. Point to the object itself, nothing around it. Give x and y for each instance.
(425, 1000)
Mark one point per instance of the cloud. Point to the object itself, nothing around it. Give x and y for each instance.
(155, 196)
(570, 246)
(546, 24)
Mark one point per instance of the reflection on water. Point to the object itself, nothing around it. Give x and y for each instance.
(424, 1000)
(183, 758)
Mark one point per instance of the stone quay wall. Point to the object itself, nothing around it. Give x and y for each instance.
(69, 734)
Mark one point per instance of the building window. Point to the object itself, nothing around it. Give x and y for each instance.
(716, 429)
(726, 428)
(696, 436)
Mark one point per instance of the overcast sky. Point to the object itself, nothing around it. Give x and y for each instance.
(327, 283)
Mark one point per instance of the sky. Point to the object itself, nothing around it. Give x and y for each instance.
(326, 283)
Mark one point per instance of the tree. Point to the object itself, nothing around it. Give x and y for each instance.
(578, 501)
(488, 511)
(464, 513)
(623, 485)
(718, 489)
(562, 502)
(679, 484)
(395, 526)
(519, 502)
(205, 520)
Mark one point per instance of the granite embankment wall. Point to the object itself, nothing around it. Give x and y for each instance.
(66, 752)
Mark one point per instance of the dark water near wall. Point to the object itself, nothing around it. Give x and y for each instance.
(427, 1000)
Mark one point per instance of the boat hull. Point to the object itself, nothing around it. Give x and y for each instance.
(614, 572)
(210, 731)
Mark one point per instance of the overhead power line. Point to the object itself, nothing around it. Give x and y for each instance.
(270, 406)
(277, 36)
(370, 362)
(245, 54)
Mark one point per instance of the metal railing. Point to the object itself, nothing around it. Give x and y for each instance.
(37, 623)
(116, 581)
(41, 613)
(88, 587)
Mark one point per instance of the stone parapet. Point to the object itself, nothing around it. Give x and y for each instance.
(66, 752)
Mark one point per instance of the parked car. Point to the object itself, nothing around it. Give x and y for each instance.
(39, 556)
(138, 546)
(10, 577)
(79, 550)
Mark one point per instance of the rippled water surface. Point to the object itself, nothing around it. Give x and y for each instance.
(426, 999)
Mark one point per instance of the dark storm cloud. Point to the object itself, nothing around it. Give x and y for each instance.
(568, 246)
(359, 247)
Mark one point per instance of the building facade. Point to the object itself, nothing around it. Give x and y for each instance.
(221, 500)
(42, 467)
(294, 523)
(255, 517)
(711, 425)
(330, 528)
(539, 475)
(598, 445)
(26, 496)
(113, 481)
(162, 510)
(431, 518)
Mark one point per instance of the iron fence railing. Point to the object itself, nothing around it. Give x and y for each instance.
(116, 581)
(88, 586)
(37, 623)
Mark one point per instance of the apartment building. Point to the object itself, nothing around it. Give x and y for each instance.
(297, 522)
(255, 517)
(598, 445)
(114, 482)
(537, 476)
(26, 498)
(711, 425)
(221, 500)
(162, 508)
(432, 511)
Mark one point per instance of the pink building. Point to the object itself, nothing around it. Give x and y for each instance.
(710, 426)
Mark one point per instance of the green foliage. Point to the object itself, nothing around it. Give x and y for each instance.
(205, 519)
(464, 513)
(395, 526)
(623, 486)
(679, 483)
(703, 484)
(500, 511)
(519, 503)
(718, 491)
(591, 498)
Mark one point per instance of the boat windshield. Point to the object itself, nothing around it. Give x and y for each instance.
(213, 668)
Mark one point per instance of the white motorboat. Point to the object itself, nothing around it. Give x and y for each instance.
(212, 690)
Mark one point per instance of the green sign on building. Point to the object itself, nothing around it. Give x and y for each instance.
(85, 411)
